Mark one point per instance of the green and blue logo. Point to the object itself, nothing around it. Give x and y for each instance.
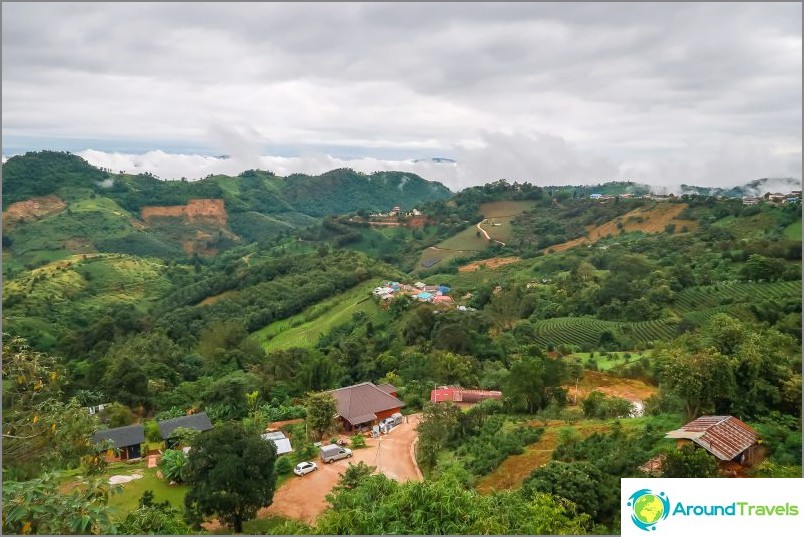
(648, 508)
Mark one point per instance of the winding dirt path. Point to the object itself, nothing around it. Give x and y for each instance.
(485, 234)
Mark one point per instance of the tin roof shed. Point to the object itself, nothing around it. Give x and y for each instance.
(725, 437)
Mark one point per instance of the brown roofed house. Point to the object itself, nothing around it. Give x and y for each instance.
(365, 404)
(725, 437)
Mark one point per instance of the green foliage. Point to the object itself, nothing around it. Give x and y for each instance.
(36, 424)
(44, 172)
(438, 425)
(599, 405)
(153, 518)
(582, 483)
(485, 448)
(37, 507)
(357, 441)
(533, 382)
(152, 433)
(379, 505)
(353, 476)
(173, 465)
(689, 461)
(117, 415)
(231, 475)
(321, 410)
(283, 466)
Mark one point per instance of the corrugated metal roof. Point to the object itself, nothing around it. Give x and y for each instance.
(725, 437)
(281, 442)
(359, 403)
(130, 435)
(199, 422)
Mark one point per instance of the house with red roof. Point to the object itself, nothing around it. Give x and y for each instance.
(365, 404)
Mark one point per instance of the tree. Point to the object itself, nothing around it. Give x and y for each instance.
(173, 464)
(379, 505)
(689, 461)
(581, 483)
(321, 410)
(35, 421)
(438, 424)
(37, 507)
(230, 474)
(354, 475)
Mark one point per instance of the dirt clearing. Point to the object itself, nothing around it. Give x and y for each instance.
(493, 263)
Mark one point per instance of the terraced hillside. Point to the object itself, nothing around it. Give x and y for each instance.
(697, 304)
(588, 331)
(304, 329)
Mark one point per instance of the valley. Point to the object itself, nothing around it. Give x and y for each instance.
(579, 330)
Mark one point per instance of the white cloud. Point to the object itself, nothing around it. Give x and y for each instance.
(540, 91)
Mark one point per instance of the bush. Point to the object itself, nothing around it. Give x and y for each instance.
(358, 441)
(283, 466)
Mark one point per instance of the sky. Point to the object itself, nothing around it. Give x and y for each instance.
(550, 93)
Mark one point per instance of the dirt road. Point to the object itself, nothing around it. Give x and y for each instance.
(303, 498)
(485, 234)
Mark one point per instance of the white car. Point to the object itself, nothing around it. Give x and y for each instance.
(305, 468)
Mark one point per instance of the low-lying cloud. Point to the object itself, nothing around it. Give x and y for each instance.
(538, 158)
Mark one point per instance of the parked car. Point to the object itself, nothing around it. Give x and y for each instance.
(389, 423)
(305, 468)
(334, 452)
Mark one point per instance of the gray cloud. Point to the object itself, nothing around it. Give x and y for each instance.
(578, 92)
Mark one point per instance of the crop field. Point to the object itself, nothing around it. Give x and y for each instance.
(587, 331)
(727, 293)
(746, 227)
(645, 220)
(498, 209)
(793, 231)
(304, 329)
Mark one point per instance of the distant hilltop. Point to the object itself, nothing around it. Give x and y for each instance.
(436, 160)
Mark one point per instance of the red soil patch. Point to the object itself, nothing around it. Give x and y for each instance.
(493, 263)
(516, 468)
(32, 209)
(633, 390)
(201, 210)
(653, 220)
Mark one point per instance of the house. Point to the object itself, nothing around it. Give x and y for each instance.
(442, 299)
(432, 289)
(281, 442)
(425, 296)
(419, 285)
(365, 404)
(456, 394)
(725, 437)
(126, 441)
(97, 409)
(198, 422)
(595, 196)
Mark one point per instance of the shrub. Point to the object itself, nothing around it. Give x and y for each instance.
(358, 441)
(172, 465)
(283, 465)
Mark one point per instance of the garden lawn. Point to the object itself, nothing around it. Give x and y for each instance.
(132, 491)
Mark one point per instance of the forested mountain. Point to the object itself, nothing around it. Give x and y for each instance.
(241, 295)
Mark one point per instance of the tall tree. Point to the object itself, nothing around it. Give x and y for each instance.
(230, 474)
(321, 410)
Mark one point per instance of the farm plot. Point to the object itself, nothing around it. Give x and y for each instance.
(304, 329)
(587, 331)
(726, 293)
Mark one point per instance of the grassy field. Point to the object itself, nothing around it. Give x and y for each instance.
(793, 231)
(304, 329)
(748, 227)
(610, 361)
(497, 209)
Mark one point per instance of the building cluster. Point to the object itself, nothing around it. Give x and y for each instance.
(774, 198)
(435, 294)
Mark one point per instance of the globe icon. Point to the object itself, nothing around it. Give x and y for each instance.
(648, 509)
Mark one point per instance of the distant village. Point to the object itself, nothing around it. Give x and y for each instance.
(771, 198)
(420, 291)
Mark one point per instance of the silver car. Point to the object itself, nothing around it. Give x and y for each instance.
(305, 468)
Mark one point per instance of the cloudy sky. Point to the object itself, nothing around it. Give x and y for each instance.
(706, 94)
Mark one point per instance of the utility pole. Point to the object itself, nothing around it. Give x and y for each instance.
(576, 390)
